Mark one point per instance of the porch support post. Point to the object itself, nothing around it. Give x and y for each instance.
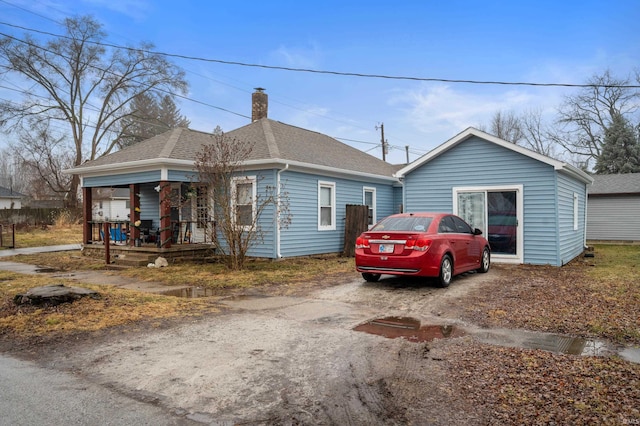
(87, 202)
(165, 214)
(134, 214)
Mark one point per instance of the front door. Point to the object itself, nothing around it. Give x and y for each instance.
(497, 211)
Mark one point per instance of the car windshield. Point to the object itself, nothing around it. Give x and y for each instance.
(406, 223)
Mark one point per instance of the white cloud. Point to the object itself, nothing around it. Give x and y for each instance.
(298, 57)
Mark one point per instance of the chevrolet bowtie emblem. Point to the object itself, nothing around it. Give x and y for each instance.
(386, 237)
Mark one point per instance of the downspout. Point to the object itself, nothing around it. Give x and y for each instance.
(286, 167)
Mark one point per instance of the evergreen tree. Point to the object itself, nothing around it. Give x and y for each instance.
(150, 116)
(620, 148)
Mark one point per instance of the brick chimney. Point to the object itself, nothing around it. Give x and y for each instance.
(259, 104)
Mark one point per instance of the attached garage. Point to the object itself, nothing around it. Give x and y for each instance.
(531, 208)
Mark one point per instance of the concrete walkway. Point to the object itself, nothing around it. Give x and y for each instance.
(89, 277)
(36, 250)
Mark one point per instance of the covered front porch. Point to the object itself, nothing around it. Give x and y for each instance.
(157, 218)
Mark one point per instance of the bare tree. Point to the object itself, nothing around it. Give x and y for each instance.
(239, 200)
(43, 153)
(536, 136)
(12, 175)
(77, 82)
(506, 126)
(584, 118)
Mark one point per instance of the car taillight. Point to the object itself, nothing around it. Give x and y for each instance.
(420, 244)
(362, 243)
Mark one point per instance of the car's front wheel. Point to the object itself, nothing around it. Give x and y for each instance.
(372, 278)
(485, 261)
(446, 271)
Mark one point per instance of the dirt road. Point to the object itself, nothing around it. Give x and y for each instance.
(292, 360)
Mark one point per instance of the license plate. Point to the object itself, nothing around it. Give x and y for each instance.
(385, 248)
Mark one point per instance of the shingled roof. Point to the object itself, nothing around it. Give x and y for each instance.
(273, 141)
(625, 183)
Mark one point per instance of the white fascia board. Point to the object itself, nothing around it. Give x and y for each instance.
(132, 166)
(163, 164)
(327, 171)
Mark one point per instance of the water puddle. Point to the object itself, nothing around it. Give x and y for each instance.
(412, 330)
(190, 292)
(46, 270)
(408, 328)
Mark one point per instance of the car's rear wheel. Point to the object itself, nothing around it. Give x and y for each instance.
(485, 261)
(372, 278)
(446, 271)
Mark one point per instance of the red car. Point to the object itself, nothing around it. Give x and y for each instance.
(437, 245)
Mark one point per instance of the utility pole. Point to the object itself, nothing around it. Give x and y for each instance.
(406, 148)
(383, 142)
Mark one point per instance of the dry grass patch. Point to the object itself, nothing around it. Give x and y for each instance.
(258, 273)
(64, 233)
(115, 307)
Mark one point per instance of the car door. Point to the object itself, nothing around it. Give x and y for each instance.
(457, 241)
(469, 244)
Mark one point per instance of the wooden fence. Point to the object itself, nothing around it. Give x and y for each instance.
(357, 221)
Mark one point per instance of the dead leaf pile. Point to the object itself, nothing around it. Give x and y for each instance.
(518, 386)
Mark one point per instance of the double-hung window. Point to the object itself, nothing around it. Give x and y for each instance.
(244, 201)
(326, 206)
(369, 200)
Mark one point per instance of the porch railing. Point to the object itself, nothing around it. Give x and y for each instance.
(182, 232)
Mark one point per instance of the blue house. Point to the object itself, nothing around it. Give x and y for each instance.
(320, 175)
(531, 208)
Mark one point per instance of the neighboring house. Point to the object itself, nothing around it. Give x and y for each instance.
(531, 208)
(613, 212)
(110, 204)
(10, 199)
(320, 174)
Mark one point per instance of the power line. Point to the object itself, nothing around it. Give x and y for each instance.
(338, 73)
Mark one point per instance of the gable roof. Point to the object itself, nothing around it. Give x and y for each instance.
(626, 183)
(471, 132)
(274, 142)
(9, 193)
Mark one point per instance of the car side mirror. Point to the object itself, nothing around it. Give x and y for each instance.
(477, 232)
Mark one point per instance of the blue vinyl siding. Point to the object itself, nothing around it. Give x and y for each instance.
(266, 245)
(302, 237)
(476, 162)
(181, 176)
(571, 240)
(123, 179)
(150, 204)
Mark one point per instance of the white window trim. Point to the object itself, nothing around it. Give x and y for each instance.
(374, 214)
(500, 258)
(254, 192)
(332, 185)
(576, 206)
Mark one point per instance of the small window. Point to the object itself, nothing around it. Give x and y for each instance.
(326, 206)
(461, 226)
(446, 225)
(244, 201)
(369, 200)
(202, 207)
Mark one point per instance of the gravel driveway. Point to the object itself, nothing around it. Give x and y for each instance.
(291, 360)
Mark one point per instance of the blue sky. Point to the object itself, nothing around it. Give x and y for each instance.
(511, 41)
